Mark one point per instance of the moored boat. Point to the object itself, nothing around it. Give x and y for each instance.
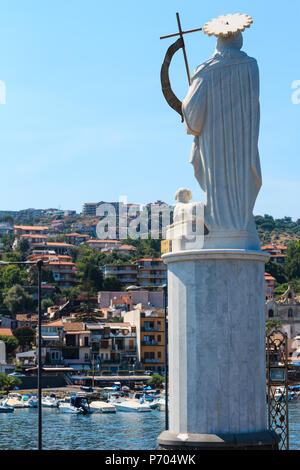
(49, 402)
(131, 405)
(5, 408)
(74, 405)
(102, 407)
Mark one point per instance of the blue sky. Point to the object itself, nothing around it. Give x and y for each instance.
(85, 119)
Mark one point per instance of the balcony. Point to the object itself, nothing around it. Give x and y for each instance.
(110, 361)
(153, 328)
(150, 361)
(151, 343)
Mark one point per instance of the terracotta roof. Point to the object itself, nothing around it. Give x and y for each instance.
(147, 259)
(61, 263)
(31, 227)
(54, 323)
(53, 244)
(76, 326)
(269, 277)
(5, 332)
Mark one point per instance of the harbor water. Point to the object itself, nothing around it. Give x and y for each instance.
(97, 431)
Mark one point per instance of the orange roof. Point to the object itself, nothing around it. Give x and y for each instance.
(76, 326)
(274, 247)
(31, 227)
(54, 323)
(148, 259)
(5, 332)
(61, 263)
(269, 277)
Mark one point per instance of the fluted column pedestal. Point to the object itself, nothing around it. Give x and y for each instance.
(217, 375)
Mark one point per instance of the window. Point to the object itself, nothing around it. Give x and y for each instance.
(290, 313)
(271, 313)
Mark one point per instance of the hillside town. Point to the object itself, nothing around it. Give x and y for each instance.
(103, 301)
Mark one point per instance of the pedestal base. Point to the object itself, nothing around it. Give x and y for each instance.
(216, 331)
(264, 440)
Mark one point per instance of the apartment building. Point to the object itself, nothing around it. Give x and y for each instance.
(30, 230)
(269, 286)
(126, 273)
(143, 271)
(151, 271)
(62, 267)
(113, 345)
(59, 247)
(277, 252)
(150, 327)
(76, 349)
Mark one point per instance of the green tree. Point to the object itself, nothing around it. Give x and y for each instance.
(156, 381)
(277, 271)
(7, 382)
(273, 325)
(24, 247)
(11, 275)
(17, 300)
(292, 261)
(11, 344)
(46, 303)
(112, 283)
(46, 274)
(7, 218)
(25, 335)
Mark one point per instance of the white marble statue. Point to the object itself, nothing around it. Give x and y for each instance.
(187, 230)
(221, 110)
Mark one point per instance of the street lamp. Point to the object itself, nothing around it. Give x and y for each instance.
(39, 263)
(165, 290)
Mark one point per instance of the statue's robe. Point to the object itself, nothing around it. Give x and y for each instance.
(221, 110)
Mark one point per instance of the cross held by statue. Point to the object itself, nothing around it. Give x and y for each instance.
(181, 33)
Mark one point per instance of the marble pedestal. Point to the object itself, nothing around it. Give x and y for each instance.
(217, 375)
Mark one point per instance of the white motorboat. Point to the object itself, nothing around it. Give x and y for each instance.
(161, 404)
(66, 407)
(32, 402)
(74, 405)
(4, 408)
(129, 404)
(49, 402)
(15, 400)
(102, 407)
